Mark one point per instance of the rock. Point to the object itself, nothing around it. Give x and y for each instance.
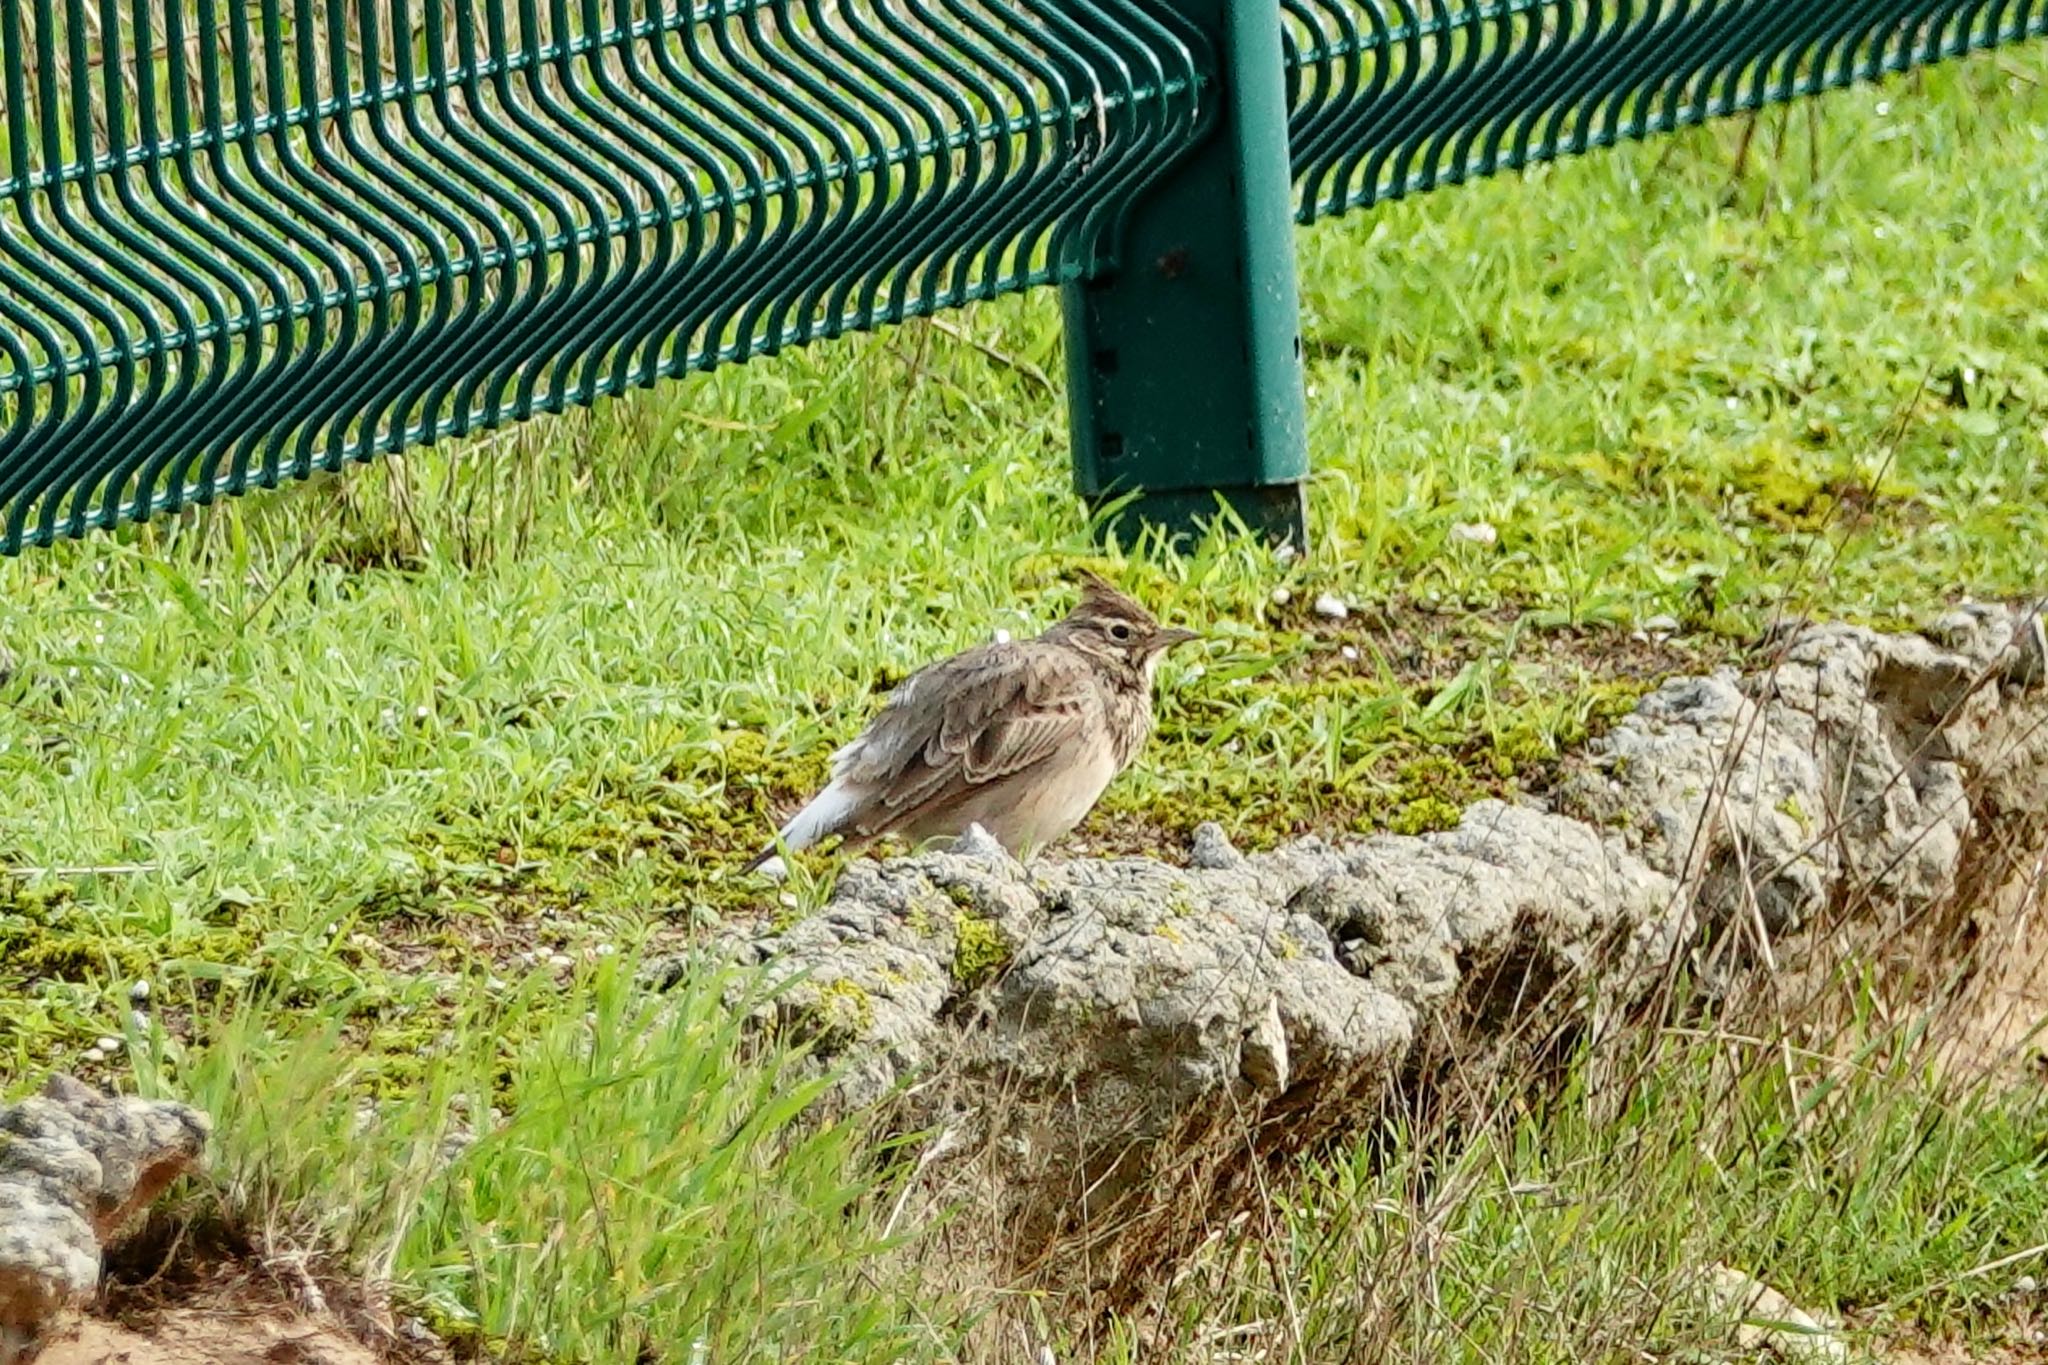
(1211, 850)
(1475, 532)
(1142, 987)
(1131, 996)
(75, 1166)
(1263, 1061)
(1332, 607)
(1837, 774)
(1766, 1319)
(139, 993)
(979, 843)
(2014, 643)
(2029, 666)
(1282, 596)
(1661, 625)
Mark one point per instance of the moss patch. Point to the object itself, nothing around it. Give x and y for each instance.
(979, 950)
(843, 1010)
(1394, 720)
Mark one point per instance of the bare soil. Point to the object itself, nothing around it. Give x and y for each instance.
(176, 1294)
(211, 1335)
(2003, 1012)
(1963, 1353)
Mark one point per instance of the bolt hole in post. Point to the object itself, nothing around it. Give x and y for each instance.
(1200, 406)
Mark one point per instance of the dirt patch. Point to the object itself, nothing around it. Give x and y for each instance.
(210, 1336)
(1421, 645)
(184, 1292)
(2001, 1019)
(1962, 1353)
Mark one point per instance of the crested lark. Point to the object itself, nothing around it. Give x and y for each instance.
(1020, 738)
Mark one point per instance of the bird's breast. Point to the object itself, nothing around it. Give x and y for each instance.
(1065, 791)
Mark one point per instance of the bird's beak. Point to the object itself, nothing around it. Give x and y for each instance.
(1169, 636)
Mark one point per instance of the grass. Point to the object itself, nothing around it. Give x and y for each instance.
(351, 769)
(1579, 1227)
(591, 1184)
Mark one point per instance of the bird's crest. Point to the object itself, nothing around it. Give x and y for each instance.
(1101, 601)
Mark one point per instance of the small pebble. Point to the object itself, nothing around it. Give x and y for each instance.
(979, 843)
(1662, 625)
(1211, 848)
(561, 961)
(1475, 532)
(1641, 637)
(1002, 637)
(1350, 653)
(1332, 606)
(2030, 663)
(139, 1021)
(1282, 596)
(109, 1045)
(91, 1056)
(2025, 1284)
(139, 992)
(1285, 553)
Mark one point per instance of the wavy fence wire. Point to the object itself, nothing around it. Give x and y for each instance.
(1390, 99)
(242, 240)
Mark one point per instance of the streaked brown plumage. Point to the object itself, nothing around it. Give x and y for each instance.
(1018, 737)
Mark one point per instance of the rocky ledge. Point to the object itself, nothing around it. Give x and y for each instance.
(75, 1167)
(1850, 778)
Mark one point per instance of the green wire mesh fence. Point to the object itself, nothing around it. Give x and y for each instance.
(245, 239)
(242, 240)
(1391, 97)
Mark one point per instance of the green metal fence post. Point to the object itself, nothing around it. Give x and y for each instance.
(1184, 372)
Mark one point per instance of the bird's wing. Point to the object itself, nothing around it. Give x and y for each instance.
(972, 719)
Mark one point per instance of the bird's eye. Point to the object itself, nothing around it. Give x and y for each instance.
(1119, 631)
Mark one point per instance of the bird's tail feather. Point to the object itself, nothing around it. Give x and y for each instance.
(823, 816)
